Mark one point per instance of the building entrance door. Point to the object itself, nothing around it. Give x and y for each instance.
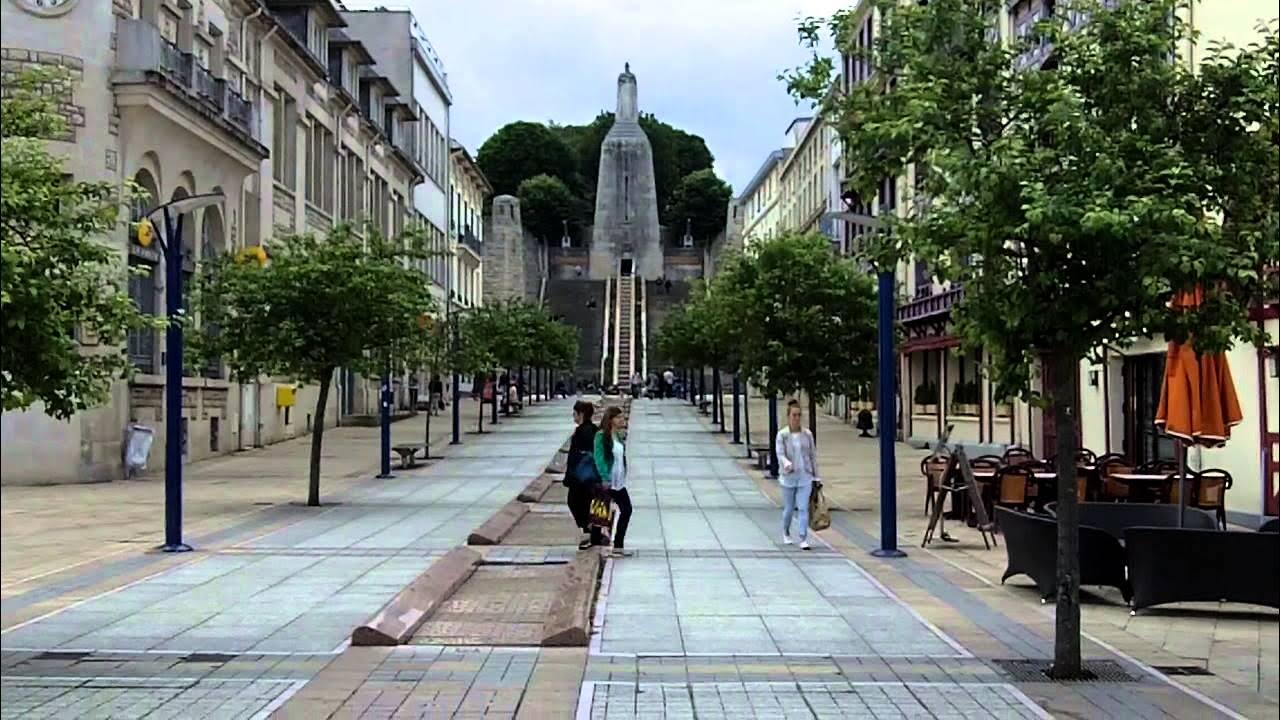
(626, 267)
(1143, 380)
(1049, 424)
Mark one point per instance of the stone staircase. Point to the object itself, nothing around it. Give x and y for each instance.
(624, 337)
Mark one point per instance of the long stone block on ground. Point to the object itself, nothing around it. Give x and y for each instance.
(493, 530)
(406, 612)
(534, 491)
(568, 622)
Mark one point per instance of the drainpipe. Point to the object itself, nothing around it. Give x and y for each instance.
(244, 27)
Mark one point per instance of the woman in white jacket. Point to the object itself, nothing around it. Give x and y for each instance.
(798, 461)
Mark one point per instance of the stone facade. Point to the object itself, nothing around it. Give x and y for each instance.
(504, 252)
(193, 97)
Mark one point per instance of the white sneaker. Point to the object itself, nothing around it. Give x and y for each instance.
(786, 540)
(804, 544)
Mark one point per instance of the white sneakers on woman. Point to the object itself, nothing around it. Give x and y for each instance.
(804, 544)
(786, 540)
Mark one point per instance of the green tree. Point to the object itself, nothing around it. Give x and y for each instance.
(521, 150)
(805, 320)
(1071, 200)
(702, 199)
(61, 282)
(545, 203)
(319, 304)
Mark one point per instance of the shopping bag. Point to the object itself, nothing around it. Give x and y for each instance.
(601, 510)
(819, 512)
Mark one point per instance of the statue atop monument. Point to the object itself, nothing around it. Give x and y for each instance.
(625, 236)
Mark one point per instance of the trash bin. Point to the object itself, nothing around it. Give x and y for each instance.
(137, 448)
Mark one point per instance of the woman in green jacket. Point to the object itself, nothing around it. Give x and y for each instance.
(610, 456)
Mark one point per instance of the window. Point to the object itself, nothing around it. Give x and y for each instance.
(317, 36)
(284, 140)
(142, 291)
(320, 178)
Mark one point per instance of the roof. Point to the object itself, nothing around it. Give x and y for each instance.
(338, 38)
(797, 121)
(457, 148)
(774, 158)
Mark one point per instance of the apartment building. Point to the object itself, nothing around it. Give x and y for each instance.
(760, 214)
(469, 189)
(267, 101)
(1118, 397)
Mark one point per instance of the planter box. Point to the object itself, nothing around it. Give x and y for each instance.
(931, 409)
(964, 409)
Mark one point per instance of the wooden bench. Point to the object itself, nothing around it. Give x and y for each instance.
(408, 454)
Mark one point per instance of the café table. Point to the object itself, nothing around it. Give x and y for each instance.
(1148, 484)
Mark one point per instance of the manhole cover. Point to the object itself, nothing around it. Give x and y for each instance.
(1038, 671)
(499, 605)
(1182, 669)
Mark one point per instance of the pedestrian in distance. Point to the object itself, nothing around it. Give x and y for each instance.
(436, 390)
(798, 462)
(610, 456)
(668, 383)
(582, 480)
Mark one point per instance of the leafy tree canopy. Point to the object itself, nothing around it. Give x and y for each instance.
(701, 199)
(60, 277)
(522, 150)
(317, 305)
(545, 203)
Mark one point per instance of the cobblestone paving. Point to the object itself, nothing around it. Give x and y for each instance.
(731, 701)
(280, 605)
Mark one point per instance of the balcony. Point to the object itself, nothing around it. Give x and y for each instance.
(931, 306)
(143, 56)
(470, 240)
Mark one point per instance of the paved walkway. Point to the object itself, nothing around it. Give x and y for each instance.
(236, 627)
(712, 618)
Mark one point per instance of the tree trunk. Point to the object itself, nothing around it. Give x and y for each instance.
(317, 438)
(426, 438)
(1066, 640)
(813, 417)
(480, 417)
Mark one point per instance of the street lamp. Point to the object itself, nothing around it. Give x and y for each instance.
(885, 403)
(171, 246)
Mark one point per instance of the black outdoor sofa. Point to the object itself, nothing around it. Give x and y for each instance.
(1184, 565)
(1115, 518)
(1031, 542)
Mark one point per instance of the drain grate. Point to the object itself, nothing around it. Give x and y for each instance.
(1183, 670)
(63, 655)
(1107, 671)
(208, 657)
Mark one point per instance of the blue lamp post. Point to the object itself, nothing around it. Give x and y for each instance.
(173, 213)
(886, 406)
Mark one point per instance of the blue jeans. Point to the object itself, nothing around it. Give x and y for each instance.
(795, 501)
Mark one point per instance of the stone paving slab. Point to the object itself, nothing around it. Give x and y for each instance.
(732, 701)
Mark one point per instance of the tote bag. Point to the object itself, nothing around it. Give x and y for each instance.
(819, 512)
(601, 509)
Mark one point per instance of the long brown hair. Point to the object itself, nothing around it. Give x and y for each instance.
(606, 427)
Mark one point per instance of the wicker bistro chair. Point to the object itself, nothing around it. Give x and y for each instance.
(1210, 493)
(933, 469)
(986, 461)
(1085, 456)
(1018, 456)
(1012, 485)
(1114, 490)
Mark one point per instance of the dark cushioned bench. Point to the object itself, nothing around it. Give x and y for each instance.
(1185, 565)
(1115, 518)
(1031, 542)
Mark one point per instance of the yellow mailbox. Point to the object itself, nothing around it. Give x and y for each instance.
(285, 395)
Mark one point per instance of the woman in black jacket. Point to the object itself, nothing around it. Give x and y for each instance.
(582, 444)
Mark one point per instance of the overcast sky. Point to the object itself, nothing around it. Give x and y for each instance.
(706, 66)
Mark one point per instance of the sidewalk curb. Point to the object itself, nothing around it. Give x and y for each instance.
(534, 491)
(568, 622)
(493, 530)
(400, 619)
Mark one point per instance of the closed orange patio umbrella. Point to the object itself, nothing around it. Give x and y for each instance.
(1198, 402)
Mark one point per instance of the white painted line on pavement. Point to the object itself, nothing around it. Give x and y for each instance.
(1156, 674)
(113, 651)
(112, 591)
(280, 700)
(586, 696)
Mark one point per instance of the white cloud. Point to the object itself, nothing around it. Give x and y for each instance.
(707, 66)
